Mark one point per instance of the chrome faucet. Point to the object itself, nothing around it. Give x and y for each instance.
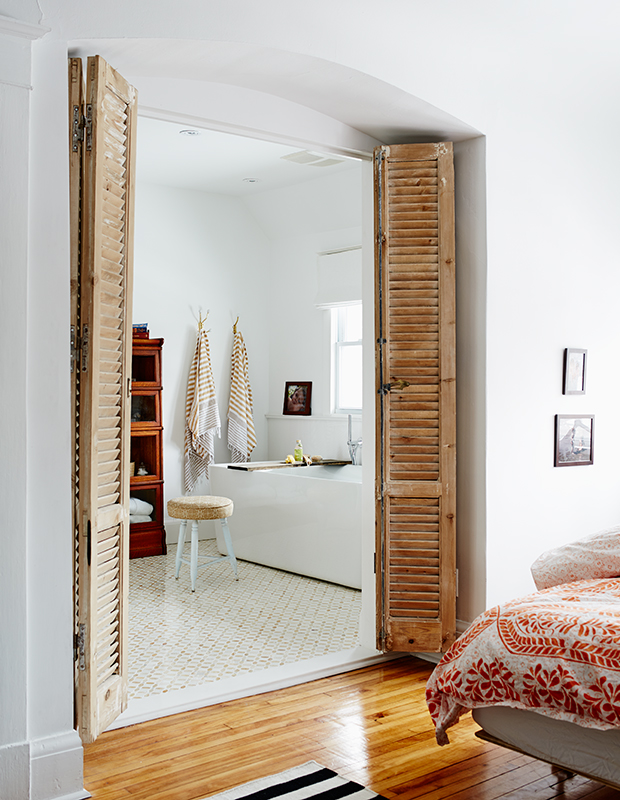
(353, 446)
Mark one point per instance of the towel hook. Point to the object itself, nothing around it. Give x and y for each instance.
(235, 325)
(202, 320)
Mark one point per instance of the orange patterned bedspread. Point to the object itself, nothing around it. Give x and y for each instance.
(556, 651)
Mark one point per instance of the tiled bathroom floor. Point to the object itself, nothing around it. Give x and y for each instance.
(226, 628)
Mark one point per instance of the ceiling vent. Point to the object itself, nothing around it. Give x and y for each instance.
(312, 159)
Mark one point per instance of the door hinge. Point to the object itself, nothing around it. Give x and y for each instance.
(75, 347)
(79, 647)
(79, 345)
(88, 126)
(85, 348)
(82, 128)
(77, 129)
(456, 581)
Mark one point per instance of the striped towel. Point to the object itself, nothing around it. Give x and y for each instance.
(241, 435)
(202, 418)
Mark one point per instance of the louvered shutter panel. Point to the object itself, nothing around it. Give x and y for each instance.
(416, 422)
(105, 291)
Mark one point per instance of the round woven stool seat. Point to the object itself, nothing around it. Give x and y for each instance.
(200, 507)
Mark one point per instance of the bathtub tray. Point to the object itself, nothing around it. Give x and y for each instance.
(250, 467)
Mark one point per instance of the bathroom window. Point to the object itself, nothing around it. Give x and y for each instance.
(347, 358)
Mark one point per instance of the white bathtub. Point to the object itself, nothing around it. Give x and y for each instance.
(305, 520)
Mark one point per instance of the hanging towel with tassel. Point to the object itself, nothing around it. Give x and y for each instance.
(241, 435)
(202, 417)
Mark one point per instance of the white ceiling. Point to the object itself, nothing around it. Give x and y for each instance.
(221, 163)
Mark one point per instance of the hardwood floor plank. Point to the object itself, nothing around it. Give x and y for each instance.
(371, 726)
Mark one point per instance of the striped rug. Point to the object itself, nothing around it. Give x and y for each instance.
(309, 780)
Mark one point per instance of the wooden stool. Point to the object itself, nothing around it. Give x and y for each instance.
(197, 508)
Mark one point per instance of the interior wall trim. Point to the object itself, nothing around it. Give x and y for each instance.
(255, 133)
(16, 85)
(25, 30)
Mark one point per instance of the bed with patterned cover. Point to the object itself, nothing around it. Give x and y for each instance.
(544, 670)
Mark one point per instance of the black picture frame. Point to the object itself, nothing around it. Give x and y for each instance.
(574, 440)
(297, 397)
(574, 378)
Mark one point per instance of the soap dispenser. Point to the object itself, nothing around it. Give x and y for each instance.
(298, 452)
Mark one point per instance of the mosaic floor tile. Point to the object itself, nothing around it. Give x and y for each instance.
(179, 638)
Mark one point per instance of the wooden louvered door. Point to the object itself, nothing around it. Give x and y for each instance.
(416, 417)
(103, 284)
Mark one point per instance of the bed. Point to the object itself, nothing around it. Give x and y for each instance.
(542, 673)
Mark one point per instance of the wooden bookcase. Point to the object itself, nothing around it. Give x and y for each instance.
(147, 538)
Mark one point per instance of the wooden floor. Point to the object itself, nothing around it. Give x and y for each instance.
(371, 726)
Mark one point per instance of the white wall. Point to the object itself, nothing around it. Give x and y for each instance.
(40, 752)
(256, 258)
(471, 278)
(14, 101)
(201, 252)
(302, 221)
(537, 78)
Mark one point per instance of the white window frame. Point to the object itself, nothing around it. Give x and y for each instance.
(338, 343)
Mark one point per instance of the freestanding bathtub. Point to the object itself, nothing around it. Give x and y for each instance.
(305, 520)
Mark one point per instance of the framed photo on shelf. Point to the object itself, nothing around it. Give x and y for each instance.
(574, 440)
(574, 371)
(297, 395)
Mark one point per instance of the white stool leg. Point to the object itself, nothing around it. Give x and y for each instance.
(180, 544)
(193, 567)
(229, 546)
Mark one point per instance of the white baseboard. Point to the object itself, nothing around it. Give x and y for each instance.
(56, 764)
(433, 658)
(43, 769)
(461, 626)
(15, 770)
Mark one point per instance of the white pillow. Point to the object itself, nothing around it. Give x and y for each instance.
(596, 556)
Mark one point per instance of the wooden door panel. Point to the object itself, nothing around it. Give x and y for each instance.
(103, 282)
(416, 428)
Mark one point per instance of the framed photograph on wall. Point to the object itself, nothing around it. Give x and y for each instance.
(574, 371)
(297, 395)
(574, 440)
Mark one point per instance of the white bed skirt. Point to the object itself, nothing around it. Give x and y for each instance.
(588, 751)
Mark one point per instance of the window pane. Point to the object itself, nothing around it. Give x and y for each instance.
(351, 323)
(350, 376)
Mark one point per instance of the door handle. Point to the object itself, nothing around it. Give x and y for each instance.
(400, 385)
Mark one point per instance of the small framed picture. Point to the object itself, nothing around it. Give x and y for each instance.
(297, 396)
(574, 440)
(574, 371)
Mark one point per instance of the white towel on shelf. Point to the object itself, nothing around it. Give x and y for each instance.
(241, 434)
(137, 506)
(202, 417)
(135, 518)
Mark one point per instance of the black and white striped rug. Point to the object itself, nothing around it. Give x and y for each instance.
(306, 781)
